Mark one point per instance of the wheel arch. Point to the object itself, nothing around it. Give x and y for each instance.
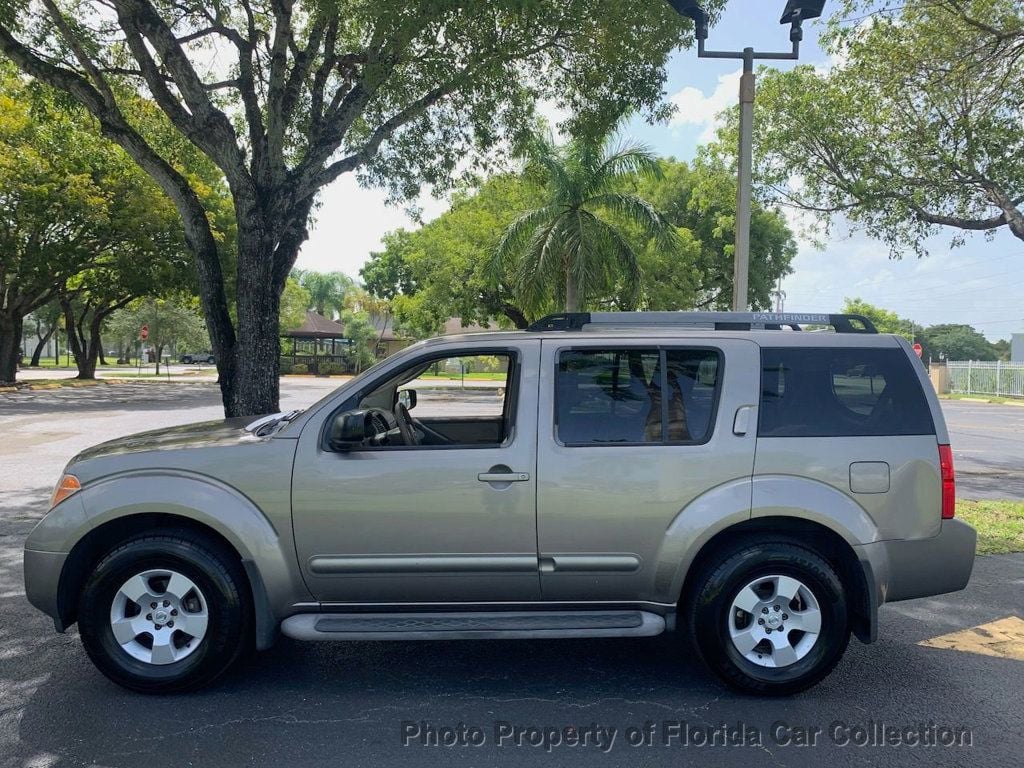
(94, 545)
(107, 511)
(854, 573)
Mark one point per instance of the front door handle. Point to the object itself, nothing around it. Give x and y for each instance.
(503, 477)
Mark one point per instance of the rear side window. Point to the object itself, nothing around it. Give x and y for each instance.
(614, 396)
(837, 392)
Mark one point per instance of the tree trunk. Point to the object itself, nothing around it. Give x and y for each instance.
(158, 351)
(254, 388)
(41, 344)
(10, 340)
(83, 352)
(572, 302)
(258, 351)
(99, 344)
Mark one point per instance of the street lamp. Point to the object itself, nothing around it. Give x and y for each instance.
(795, 13)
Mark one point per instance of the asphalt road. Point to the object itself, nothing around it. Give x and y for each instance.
(988, 448)
(349, 704)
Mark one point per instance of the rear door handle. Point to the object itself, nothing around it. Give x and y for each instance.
(503, 477)
(741, 421)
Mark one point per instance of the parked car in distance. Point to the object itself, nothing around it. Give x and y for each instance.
(758, 490)
(198, 357)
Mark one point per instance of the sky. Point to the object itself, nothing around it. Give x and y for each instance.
(980, 283)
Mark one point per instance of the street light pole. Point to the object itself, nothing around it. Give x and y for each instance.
(744, 187)
(795, 13)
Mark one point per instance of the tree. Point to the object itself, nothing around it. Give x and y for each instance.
(441, 270)
(916, 128)
(46, 320)
(951, 341)
(295, 300)
(327, 290)
(171, 321)
(884, 320)
(1002, 350)
(69, 200)
(568, 249)
(444, 269)
(397, 91)
(700, 202)
(361, 335)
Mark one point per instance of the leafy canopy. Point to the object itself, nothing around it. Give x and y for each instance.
(444, 269)
(570, 249)
(916, 126)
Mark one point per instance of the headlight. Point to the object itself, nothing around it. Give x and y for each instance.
(68, 485)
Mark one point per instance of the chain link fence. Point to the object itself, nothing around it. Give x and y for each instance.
(984, 378)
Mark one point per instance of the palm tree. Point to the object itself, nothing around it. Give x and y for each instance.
(570, 249)
(327, 290)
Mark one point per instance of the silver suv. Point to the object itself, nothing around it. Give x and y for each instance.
(759, 489)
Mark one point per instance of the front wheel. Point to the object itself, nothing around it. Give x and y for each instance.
(770, 618)
(164, 613)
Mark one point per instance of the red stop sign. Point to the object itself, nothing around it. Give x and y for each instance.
(918, 349)
(144, 334)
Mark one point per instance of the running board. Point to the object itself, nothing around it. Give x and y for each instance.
(481, 625)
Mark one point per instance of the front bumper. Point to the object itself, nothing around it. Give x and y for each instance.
(905, 569)
(42, 582)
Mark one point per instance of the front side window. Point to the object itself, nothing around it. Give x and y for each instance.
(635, 396)
(458, 401)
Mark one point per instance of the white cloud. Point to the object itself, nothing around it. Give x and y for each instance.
(696, 108)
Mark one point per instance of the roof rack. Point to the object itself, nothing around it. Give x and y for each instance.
(718, 321)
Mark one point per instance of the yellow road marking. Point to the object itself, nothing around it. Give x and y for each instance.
(1003, 638)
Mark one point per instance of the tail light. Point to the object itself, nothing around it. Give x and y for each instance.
(948, 482)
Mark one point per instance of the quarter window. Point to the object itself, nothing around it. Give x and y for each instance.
(616, 395)
(832, 392)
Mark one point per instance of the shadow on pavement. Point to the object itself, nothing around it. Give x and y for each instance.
(129, 396)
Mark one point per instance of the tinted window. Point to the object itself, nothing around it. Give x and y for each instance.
(840, 392)
(615, 396)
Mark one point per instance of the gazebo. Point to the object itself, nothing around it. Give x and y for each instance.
(318, 341)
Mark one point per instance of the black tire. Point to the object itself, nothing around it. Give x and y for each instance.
(709, 611)
(218, 575)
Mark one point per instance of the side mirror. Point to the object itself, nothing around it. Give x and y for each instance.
(348, 430)
(407, 397)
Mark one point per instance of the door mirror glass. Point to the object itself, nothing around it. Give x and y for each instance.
(407, 397)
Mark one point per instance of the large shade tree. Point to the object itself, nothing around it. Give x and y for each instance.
(285, 97)
(70, 201)
(914, 129)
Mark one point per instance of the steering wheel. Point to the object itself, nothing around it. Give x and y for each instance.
(404, 421)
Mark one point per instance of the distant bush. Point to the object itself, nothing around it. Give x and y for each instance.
(300, 368)
(329, 368)
(285, 366)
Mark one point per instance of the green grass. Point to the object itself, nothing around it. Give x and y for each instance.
(1000, 524)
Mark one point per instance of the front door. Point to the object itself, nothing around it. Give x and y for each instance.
(448, 515)
(633, 432)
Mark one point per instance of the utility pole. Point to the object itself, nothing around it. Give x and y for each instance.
(795, 13)
(780, 297)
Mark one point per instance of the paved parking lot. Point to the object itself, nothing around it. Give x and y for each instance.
(351, 704)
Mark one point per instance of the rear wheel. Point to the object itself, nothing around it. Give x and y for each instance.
(770, 618)
(164, 613)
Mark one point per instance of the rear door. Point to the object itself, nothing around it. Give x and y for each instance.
(618, 462)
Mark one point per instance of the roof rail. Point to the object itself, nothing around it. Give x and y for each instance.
(718, 321)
